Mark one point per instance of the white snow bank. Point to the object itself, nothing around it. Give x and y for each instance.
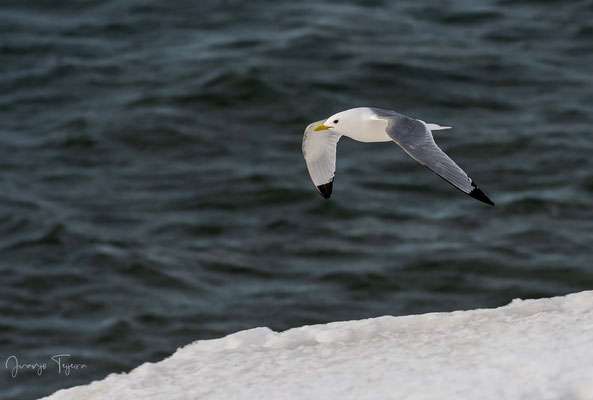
(529, 349)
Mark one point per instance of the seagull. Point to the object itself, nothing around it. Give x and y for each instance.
(366, 124)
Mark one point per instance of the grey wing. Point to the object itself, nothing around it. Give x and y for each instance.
(416, 139)
(319, 150)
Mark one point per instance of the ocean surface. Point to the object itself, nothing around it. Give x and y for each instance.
(153, 191)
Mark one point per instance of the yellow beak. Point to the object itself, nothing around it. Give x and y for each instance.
(321, 128)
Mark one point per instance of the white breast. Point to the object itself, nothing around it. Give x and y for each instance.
(372, 130)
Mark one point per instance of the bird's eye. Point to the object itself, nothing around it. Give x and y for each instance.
(335, 121)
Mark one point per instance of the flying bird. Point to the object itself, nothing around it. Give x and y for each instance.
(366, 124)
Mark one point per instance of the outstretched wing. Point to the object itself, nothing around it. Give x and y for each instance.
(415, 138)
(319, 149)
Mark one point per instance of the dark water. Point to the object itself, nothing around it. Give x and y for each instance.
(153, 191)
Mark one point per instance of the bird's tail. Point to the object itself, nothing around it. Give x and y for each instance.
(436, 127)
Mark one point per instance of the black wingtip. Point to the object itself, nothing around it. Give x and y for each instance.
(326, 189)
(477, 194)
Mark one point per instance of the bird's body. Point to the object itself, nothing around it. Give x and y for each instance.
(363, 127)
(365, 124)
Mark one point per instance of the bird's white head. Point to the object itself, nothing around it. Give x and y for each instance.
(349, 123)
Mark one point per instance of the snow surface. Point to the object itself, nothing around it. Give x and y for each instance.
(529, 349)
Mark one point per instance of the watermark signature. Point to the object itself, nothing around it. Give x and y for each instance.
(61, 362)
